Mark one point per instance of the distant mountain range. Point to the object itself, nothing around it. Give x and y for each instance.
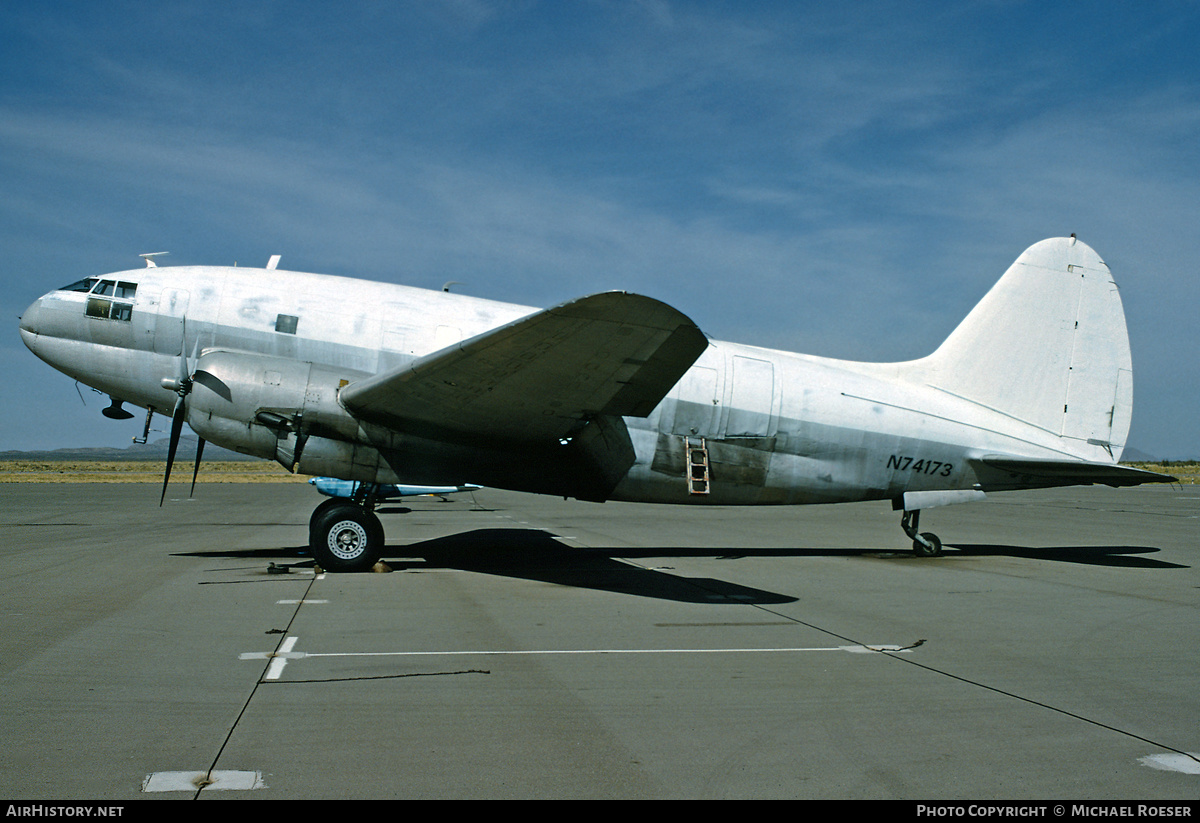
(138, 451)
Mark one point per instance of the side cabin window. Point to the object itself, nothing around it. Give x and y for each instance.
(286, 323)
(107, 299)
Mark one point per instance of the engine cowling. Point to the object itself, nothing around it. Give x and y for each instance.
(284, 410)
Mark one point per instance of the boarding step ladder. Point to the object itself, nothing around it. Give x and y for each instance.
(697, 461)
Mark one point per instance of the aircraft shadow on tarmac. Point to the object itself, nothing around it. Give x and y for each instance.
(531, 554)
(1115, 556)
(1130, 557)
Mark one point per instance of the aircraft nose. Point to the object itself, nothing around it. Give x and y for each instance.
(30, 323)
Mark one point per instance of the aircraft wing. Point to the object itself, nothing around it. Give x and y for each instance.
(538, 378)
(1047, 472)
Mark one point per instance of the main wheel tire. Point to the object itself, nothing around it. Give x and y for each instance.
(345, 538)
(932, 550)
(325, 506)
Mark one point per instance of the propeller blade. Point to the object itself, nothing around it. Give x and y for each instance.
(196, 468)
(177, 418)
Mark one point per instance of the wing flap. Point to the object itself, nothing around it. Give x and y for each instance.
(540, 377)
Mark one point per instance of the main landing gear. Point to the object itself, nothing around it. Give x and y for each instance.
(345, 535)
(924, 544)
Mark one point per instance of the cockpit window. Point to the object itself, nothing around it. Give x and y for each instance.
(106, 288)
(110, 299)
(82, 285)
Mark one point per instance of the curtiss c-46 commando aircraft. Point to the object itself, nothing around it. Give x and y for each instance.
(614, 396)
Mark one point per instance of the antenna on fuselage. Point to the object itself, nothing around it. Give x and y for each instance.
(149, 258)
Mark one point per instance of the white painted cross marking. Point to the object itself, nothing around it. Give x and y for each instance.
(278, 658)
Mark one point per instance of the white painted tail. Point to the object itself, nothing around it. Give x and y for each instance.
(1048, 346)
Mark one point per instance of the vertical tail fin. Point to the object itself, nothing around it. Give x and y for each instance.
(1048, 346)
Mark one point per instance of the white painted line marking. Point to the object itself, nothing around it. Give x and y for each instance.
(280, 658)
(851, 649)
(1186, 763)
(301, 602)
(219, 780)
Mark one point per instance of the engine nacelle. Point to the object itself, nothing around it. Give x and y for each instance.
(284, 410)
(325, 457)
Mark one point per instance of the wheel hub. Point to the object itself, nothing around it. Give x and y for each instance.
(347, 540)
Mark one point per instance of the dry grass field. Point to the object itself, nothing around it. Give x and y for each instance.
(142, 471)
(1187, 471)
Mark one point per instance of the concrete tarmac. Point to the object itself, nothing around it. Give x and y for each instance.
(530, 647)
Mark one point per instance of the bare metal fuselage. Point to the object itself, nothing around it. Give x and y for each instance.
(776, 427)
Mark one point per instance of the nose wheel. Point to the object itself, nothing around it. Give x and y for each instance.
(925, 544)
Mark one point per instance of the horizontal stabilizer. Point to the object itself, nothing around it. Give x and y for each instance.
(1004, 471)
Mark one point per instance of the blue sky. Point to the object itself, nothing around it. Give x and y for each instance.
(839, 179)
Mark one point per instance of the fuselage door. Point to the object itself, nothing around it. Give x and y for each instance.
(751, 398)
(697, 403)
